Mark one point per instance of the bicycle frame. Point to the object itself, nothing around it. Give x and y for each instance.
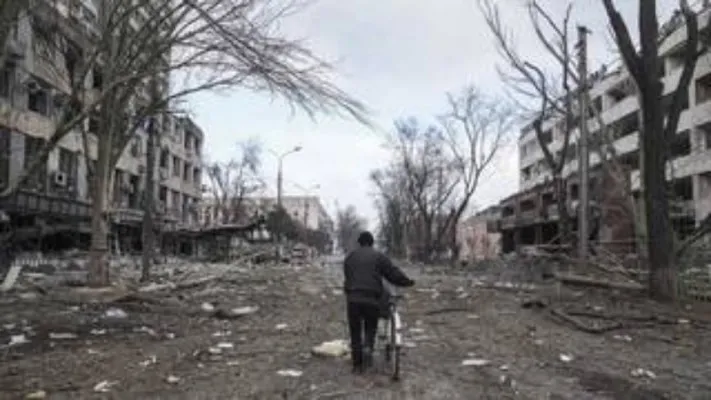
(395, 320)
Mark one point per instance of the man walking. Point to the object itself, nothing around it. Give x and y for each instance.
(364, 270)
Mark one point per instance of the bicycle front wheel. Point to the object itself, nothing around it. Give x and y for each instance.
(394, 347)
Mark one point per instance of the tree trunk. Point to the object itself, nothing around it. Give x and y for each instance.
(149, 204)
(662, 275)
(98, 253)
(561, 196)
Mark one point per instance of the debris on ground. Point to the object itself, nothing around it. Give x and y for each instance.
(237, 331)
(292, 373)
(333, 348)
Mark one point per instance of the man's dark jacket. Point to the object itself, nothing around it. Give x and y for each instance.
(364, 270)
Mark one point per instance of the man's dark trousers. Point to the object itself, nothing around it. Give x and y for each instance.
(362, 318)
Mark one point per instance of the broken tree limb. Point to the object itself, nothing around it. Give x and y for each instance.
(447, 310)
(576, 280)
(575, 323)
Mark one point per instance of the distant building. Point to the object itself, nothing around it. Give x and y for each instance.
(307, 210)
(478, 237)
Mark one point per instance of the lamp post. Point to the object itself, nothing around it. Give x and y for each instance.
(280, 171)
(280, 179)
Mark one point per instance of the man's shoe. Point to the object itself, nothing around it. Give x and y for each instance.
(358, 369)
(367, 358)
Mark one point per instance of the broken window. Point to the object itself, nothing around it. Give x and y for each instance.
(98, 79)
(38, 99)
(703, 89)
(187, 171)
(37, 180)
(176, 166)
(69, 164)
(164, 156)
(680, 146)
(196, 175)
(6, 76)
(4, 158)
(163, 194)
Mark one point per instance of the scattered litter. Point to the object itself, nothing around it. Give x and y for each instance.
(334, 348)
(207, 307)
(170, 335)
(291, 373)
(10, 278)
(150, 361)
(221, 334)
(62, 335)
(145, 329)
(115, 313)
(472, 316)
(409, 345)
(475, 362)
(504, 367)
(643, 373)
(566, 358)
(104, 386)
(232, 363)
(214, 350)
(40, 394)
(16, 340)
(417, 330)
(683, 321)
(172, 379)
(538, 342)
(623, 338)
(281, 327)
(9, 326)
(225, 345)
(98, 332)
(92, 351)
(244, 310)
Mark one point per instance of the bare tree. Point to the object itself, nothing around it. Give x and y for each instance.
(659, 126)
(475, 128)
(396, 210)
(348, 225)
(214, 44)
(429, 180)
(232, 181)
(552, 90)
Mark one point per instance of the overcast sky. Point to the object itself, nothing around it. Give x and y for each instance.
(400, 57)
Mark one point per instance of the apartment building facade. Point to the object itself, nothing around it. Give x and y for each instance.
(30, 100)
(530, 216)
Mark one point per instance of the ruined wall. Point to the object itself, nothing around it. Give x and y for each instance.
(617, 228)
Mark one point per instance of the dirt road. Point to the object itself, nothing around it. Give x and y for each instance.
(167, 349)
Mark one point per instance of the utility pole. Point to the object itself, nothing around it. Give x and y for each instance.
(584, 204)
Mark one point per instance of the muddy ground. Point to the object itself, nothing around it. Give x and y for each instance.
(170, 345)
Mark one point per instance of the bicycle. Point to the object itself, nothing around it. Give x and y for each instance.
(393, 337)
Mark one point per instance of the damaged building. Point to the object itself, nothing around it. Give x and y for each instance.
(530, 216)
(51, 210)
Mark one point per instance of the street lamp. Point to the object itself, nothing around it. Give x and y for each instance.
(280, 172)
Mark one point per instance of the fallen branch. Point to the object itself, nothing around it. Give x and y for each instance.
(575, 280)
(447, 310)
(575, 323)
